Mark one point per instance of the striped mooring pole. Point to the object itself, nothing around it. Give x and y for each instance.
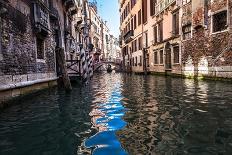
(84, 69)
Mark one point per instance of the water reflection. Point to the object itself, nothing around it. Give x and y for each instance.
(176, 116)
(107, 119)
(123, 114)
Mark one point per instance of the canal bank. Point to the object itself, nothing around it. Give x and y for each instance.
(13, 92)
(128, 114)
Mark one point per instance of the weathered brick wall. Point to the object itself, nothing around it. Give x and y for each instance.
(19, 49)
(207, 46)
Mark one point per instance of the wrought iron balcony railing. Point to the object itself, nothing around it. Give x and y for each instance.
(128, 36)
(162, 5)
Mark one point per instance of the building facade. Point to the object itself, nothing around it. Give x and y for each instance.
(31, 33)
(180, 37)
(95, 32)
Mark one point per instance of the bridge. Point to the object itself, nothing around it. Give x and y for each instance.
(99, 65)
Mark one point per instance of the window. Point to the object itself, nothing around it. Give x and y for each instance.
(133, 62)
(161, 56)
(139, 18)
(40, 48)
(220, 21)
(175, 24)
(132, 46)
(187, 32)
(140, 43)
(135, 22)
(132, 22)
(176, 54)
(155, 57)
(152, 5)
(140, 61)
(146, 39)
(160, 31)
(135, 45)
(155, 34)
(144, 5)
(136, 61)
(133, 2)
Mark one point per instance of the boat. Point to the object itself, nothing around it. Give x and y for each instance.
(109, 69)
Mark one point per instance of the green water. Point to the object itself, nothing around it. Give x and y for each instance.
(121, 114)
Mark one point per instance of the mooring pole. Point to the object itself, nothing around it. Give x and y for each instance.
(60, 56)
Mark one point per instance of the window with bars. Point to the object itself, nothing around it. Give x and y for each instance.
(176, 53)
(161, 56)
(220, 21)
(156, 57)
(187, 32)
(40, 48)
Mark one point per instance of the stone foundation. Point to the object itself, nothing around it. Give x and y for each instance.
(13, 94)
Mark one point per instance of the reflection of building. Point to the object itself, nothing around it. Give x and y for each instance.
(177, 37)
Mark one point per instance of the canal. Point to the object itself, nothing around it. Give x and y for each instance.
(121, 114)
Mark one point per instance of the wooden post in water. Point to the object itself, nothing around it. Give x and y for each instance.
(62, 65)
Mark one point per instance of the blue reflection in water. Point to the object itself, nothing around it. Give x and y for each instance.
(107, 118)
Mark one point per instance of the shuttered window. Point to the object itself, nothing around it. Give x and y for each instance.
(144, 11)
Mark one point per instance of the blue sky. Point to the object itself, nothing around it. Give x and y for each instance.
(109, 11)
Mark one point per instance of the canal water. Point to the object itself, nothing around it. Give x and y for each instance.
(119, 114)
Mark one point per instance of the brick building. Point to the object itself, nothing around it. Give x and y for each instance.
(30, 33)
(206, 42)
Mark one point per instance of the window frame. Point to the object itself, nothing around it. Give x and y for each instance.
(156, 57)
(161, 63)
(188, 32)
(43, 48)
(176, 18)
(212, 21)
(176, 46)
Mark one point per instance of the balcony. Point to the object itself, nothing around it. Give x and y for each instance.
(128, 36)
(53, 13)
(41, 18)
(69, 3)
(162, 5)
